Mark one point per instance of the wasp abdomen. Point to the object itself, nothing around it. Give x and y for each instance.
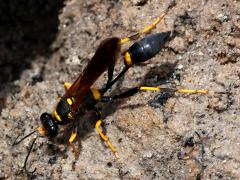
(147, 47)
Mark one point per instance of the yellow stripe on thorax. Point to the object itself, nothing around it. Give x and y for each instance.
(69, 101)
(57, 116)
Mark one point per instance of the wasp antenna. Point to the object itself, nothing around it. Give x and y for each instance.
(19, 141)
(26, 159)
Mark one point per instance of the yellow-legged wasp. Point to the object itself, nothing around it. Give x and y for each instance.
(80, 97)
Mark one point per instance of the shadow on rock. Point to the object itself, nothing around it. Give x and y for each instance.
(27, 30)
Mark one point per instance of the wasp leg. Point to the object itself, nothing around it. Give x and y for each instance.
(132, 91)
(71, 139)
(105, 138)
(149, 27)
(111, 83)
(171, 90)
(102, 135)
(110, 73)
(191, 91)
(67, 85)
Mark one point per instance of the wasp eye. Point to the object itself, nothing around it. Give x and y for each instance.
(49, 124)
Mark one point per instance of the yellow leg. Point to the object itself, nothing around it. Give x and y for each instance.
(67, 85)
(149, 27)
(105, 138)
(143, 31)
(147, 88)
(201, 91)
(71, 139)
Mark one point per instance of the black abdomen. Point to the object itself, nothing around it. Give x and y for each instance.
(147, 47)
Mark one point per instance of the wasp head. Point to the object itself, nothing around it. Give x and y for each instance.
(49, 124)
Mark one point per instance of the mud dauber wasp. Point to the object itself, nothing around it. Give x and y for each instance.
(80, 97)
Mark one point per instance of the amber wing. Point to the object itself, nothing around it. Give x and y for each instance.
(104, 57)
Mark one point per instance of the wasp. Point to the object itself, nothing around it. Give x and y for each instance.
(80, 97)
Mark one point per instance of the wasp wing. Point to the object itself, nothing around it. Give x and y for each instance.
(104, 57)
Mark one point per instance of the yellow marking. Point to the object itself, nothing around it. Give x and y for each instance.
(124, 40)
(113, 149)
(69, 101)
(72, 137)
(127, 58)
(42, 130)
(67, 85)
(96, 94)
(57, 116)
(145, 88)
(202, 91)
(70, 116)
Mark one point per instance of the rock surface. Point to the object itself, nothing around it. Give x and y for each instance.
(44, 44)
